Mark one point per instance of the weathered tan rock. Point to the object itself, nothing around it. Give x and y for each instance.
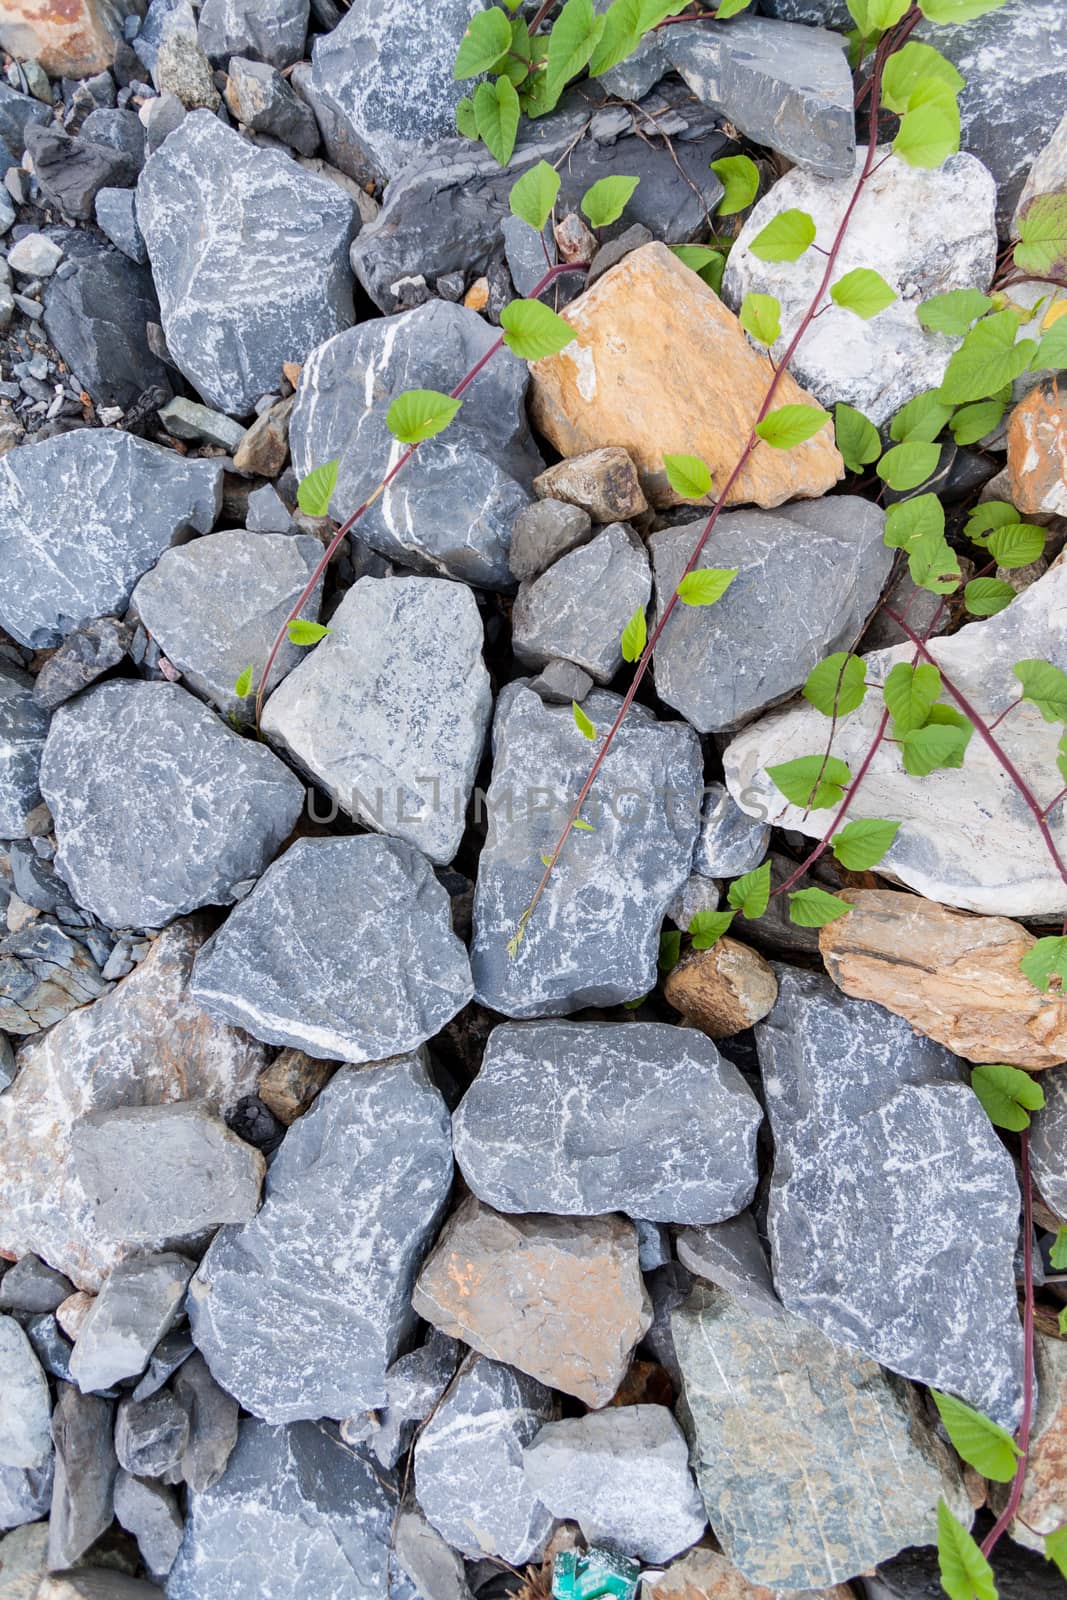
(1037, 450)
(561, 1298)
(603, 482)
(264, 449)
(954, 977)
(703, 1574)
(291, 1082)
(23, 1561)
(72, 1312)
(723, 990)
(70, 38)
(660, 366)
(1043, 1506)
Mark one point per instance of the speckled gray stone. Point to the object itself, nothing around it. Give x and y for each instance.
(23, 729)
(215, 606)
(561, 682)
(389, 713)
(720, 665)
(300, 1313)
(450, 513)
(237, 300)
(82, 1498)
(139, 1302)
(267, 30)
(343, 949)
(295, 1515)
(82, 516)
(125, 751)
(545, 531)
(1048, 1141)
(578, 609)
(594, 939)
(623, 1475)
(582, 1118)
(894, 1210)
(469, 1477)
(730, 1255)
(26, 1406)
(730, 842)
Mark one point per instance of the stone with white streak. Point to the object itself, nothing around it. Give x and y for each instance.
(23, 730)
(577, 610)
(730, 842)
(266, 30)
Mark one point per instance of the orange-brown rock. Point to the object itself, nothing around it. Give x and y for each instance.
(660, 366)
(72, 38)
(1037, 450)
(292, 1082)
(703, 1574)
(723, 990)
(955, 977)
(603, 482)
(1043, 1507)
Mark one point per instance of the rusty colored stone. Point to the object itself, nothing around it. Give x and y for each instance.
(704, 1574)
(291, 1082)
(477, 296)
(70, 38)
(603, 483)
(660, 366)
(1037, 451)
(561, 1298)
(264, 450)
(1043, 1507)
(723, 990)
(954, 976)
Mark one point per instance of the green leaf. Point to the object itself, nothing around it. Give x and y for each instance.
(582, 722)
(1042, 246)
(419, 414)
(1056, 1541)
(1008, 1095)
(910, 66)
(984, 597)
(1016, 545)
(814, 908)
(929, 133)
(836, 685)
(688, 476)
(954, 311)
(982, 1443)
(605, 201)
(785, 238)
(534, 195)
(583, 827)
(574, 37)
(987, 359)
(1061, 757)
(957, 10)
(536, 98)
(875, 16)
(670, 948)
(909, 694)
(740, 181)
(984, 518)
(653, 11)
(812, 782)
(863, 291)
(1058, 1253)
(965, 1572)
(857, 437)
(708, 927)
(706, 585)
(466, 121)
(620, 36)
(751, 894)
(1046, 686)
(1052, 351)
(496, 116)
(791, 425)
(532, 330)
(304, 632)
(973, 422)
(635, 636)
(730, 8)
(906, 466)
(518, 61)
(860, 845)
(243, 687)
(921, 420)
(1047, 960)
(487, 37)
(761, 316)
(934, 746)
(708, 264)
(316, 490)
(918, 527)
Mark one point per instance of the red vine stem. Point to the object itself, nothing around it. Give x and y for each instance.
(1007, 1516)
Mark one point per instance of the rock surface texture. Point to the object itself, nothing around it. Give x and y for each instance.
(23, 730)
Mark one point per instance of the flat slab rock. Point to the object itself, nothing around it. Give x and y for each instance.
(583, 1118)
(389, 713)
(312, 958)
(146, 1043)
(235, 302)
(594, 939)
(138, 1303)
(23, 730)
(944, 848)
(212, 809)
(82, 516)
(450, 512)
(894, 1210)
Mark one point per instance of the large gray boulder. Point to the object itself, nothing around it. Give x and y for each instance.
(301, 1312)
(344, 949)
(265, 30)
(124, 753)
(25, 1413)
(23, 730)
(82, 516)
(581, 1118)
(577, 610)
(236, 300)
(451, 511)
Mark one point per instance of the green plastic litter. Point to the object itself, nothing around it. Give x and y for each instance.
(597, 1573)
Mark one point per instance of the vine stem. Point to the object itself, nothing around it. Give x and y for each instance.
(1007, 1516)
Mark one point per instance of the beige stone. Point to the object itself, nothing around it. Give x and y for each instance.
(70, 38)
(723, 990)
(72, 1312)
(264, 450)
(659, 365)
(1043, 1507)
(703, 1574)
(291, 1082)
(561, 1298)
(955, 977)
(477, 296)
(23, 1561)
(602, 482)
(1037, 451)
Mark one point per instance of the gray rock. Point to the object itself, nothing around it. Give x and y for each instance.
(543, 532)
(32, 1285)
(389, 713)
(452, 510)
(1048, 1143)
(161, 117)
(82, 516)
(929, 230)
(185, 419)
(267, 511)
(609, 255)
(328, 1510)
(527, 254)
(561, 682)
(582, 1118)
(469, 1477)
(17, 113)
(773, 1408)
(8, 1069)
(125, 749)
(84, 655)
(423, 1556)
(95, 1583)
(82, 1498)
(623, 1475)
(730, 1255)
(139, 1302)
(300, 1313)
(1047, 174)
(216, 605)
(122, 130)
(235, 304)
(97, 317)
(730, 842)
(25, 1494)
(261, 98)
(916, 1575)
(858, 1103)
(35, 256)
(71, 171)
(721, 665)
(25, 1440)
(413, 1385)
(594, 938)
(166, 1171)
(578, 609)
(150, 1512)
(172, 1351)
(267, 30)
(43, 974)
(51, 1346)
(151, 1435)
(23, 730)
(213, 1418)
